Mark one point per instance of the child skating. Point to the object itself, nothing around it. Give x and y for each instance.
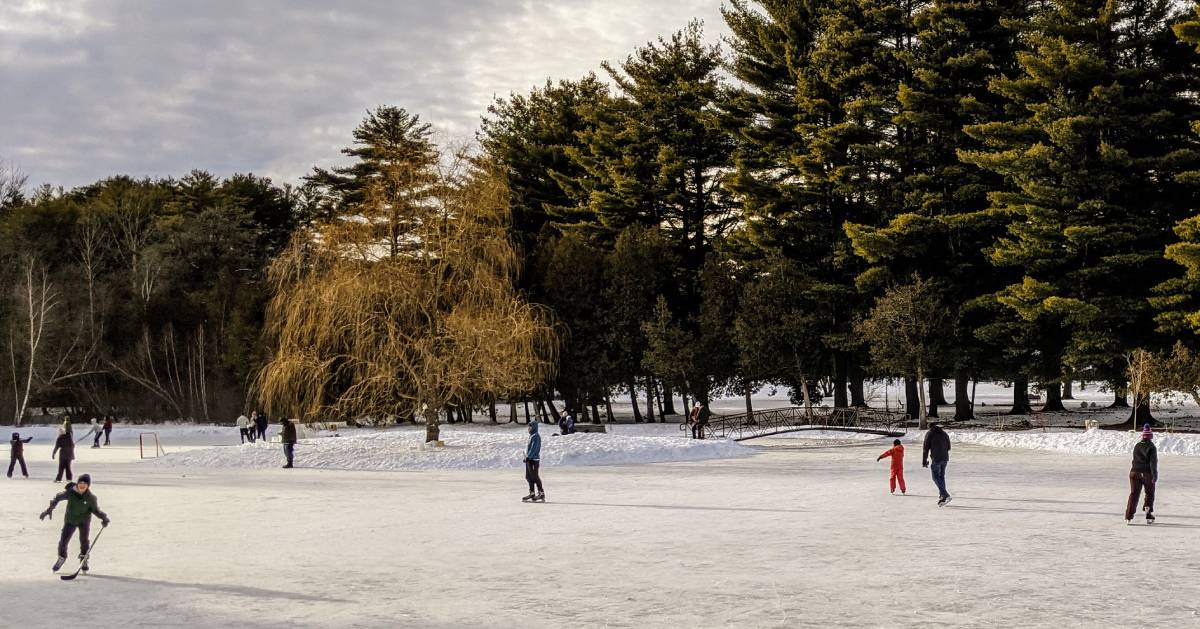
(897, 474)
(81, 505)
(533, 459)
(17, 454)
(1143, 474)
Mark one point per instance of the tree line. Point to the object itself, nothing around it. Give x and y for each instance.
(844, 190)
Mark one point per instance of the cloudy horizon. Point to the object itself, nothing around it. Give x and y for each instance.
(95, 88)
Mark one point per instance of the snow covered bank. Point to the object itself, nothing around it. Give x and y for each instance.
(465, 449)
(1100, 442)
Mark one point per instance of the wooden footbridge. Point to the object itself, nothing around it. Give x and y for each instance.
(775, 421)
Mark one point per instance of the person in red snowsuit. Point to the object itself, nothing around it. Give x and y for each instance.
(897, 476)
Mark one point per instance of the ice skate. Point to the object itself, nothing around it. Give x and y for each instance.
(528, 498)
(946, 500)
(58, 564)
(540, 498)
(83, 566)
(1149, 518)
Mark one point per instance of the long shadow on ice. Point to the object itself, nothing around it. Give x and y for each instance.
(240, 590)
(1107, 514)
(677, 507)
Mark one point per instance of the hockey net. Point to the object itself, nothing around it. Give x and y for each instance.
(148, 445)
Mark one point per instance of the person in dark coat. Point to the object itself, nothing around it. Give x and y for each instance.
(17, 454)
(1143, 475)
(288, 437)
(81, 505)
(64, 447)
(937, 446)
(108, 426)
(533, 461)
(261, 422)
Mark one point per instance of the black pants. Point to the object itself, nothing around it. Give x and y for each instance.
(245, 434)
(96, 443)
(12, 463)
(64, 466)
(289, 451)
(107, 433)
(1137, 481)
(262, 432)
(532, 477)
(85, 541)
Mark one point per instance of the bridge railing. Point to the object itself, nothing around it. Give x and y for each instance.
(740, 426)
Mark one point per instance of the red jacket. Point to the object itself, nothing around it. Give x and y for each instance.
(897, 454)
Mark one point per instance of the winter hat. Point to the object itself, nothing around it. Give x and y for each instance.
(1146, 434)
(896, 442)
(16, 435)
(84, 478)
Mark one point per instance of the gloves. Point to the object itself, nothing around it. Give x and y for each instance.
(104, 523)
(879, 458)
(46, 514)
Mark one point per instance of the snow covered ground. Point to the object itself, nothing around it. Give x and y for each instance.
(801, 533)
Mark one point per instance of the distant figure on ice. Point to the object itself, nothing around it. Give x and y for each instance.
(81, 504)
(66, 426)
(17, 454)
(95, 430)
(897, 476)
(261, 422)
(566, 425)
(108, 425)
(288, 437)
(64, 447)
(1143, 474)
(244, 429)
(533, 460)
(937, 444)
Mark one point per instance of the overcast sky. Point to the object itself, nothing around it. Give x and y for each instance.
(91, 88)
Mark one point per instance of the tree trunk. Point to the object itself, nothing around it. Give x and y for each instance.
(595, 411)
(839, 380)
(637, 413)
(668, 399)
(1020, 404)
(432, 430)
(1120, 399)
(807, 398)
(1068, 392)
(1053, 398)
(512, 412)
(659, 399)
(608, 407)
(1141, 413)
(937, 392)
(857, 397)
(912, 399)
(923, 422)
(963, 409)
(554, 414)
(526, 410)
(492, 410)
(650, 399)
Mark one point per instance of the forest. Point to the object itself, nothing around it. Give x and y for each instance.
(839, 192)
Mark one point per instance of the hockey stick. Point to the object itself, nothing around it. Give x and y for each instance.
(83, 562)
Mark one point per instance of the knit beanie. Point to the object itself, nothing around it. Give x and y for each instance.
(1146, 434)
(85, 478)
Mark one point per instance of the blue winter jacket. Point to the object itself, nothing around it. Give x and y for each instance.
(533, 451)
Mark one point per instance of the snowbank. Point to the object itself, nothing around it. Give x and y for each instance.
(465, 449)
(1099, 442)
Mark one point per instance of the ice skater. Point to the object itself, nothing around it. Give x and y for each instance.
(896, 452)
(94, 429)
(937, 445)
(108, 426)
(533, 460)
(244, 428)
(260, 422)
(288, 437)
(1143, 474)
(64, 447)
(81, 505)
(17, 454)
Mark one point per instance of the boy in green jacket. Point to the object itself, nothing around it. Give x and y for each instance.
(81, 504)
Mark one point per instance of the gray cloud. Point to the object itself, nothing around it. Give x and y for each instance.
(90, 88)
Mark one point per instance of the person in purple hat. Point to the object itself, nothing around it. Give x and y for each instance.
(1143, 474)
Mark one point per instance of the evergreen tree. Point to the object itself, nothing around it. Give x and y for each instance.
(1093, 170)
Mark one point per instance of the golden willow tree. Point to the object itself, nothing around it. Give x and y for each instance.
(400, 302)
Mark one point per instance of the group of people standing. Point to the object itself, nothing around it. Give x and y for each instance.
(1143, 474)
(64, 446)
(254, 427)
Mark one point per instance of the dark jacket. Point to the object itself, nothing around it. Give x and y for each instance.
(1145, 457)
(80, 507)
(937, 444)
(533, 451)
(261, 421)
(67, 446)
(18, 446)
(108, 424)
(289, 432)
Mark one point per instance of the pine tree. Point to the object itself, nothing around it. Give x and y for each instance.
(1092, 168)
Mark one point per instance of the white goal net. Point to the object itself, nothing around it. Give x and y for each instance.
(148, 445)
